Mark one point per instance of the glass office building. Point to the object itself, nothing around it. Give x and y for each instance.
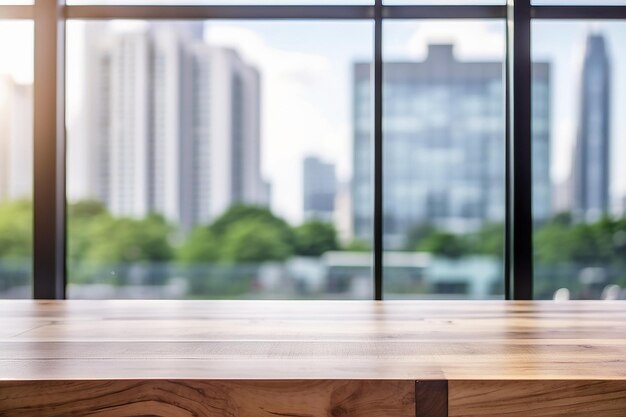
(444, 145)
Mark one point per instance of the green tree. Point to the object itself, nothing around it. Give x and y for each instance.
(121, 240)
(200, 246)
(254, 240)
(619, 240)
(81, 218)
(313, 238)
(16, 230)
(561, 241)
(238, 213)
(444, 244)
(489, 240)
(417, 234)
(593, 243)
(85, 210)
(553, 244)
(357, 245)
(563, 218)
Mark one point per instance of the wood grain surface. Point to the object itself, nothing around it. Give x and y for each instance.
(431, 398)
(403, 340)
(537, 398)
(183, 398)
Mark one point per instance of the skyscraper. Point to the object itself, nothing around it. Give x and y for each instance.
(591, 167)
(225, 137)
(172, 124)
(444, 145)
(319, 185)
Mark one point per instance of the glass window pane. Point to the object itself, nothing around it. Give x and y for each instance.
(212, 160)
(443, 2)
(218, 2)
(444, 168)
(16, 158)
(580, 222)
(579, 2)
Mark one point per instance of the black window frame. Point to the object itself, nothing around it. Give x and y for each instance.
(49, 195)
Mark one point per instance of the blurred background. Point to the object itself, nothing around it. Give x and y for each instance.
(232, 159)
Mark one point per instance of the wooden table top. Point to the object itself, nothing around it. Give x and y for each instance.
(390, 340)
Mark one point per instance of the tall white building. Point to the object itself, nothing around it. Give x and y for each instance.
(173, 125)
(16, 139)
(226, 133)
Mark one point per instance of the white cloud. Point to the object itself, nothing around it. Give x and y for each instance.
(290, 65)
(472, 40)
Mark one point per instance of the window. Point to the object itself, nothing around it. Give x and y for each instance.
(443, 2)
(580, 2)
(329, 149)
(212, 160)
(16, 158)
(443, 169)
(580, 227)
(218, 2)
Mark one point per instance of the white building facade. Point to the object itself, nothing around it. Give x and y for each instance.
(172, 124)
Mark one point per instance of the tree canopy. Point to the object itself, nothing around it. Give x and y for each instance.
(250, 234)
(315, 237)
(16, 230)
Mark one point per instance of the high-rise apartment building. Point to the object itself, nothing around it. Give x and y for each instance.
(591, 167)
(225, 139)
(444, 145)
(16, 139)
(173, 125)
(319, 185)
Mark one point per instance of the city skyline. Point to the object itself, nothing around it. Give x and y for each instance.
(305, 92)
(557, 46)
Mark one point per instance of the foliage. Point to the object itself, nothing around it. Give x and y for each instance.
(488, 241)
(251, 240)
(444, 244)
(251, 234)
(85, 210)
(259, 215)
(314, 238)
(82, 217)
(585, 243)
(417, 234)
(200, 246)
(16, 230)
(124, 240)
(357, 246)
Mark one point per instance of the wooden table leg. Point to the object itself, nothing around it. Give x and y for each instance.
(431, 398)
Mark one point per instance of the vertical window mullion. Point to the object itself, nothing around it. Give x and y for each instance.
(519, 256)
(49, 151)
(378, 153)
